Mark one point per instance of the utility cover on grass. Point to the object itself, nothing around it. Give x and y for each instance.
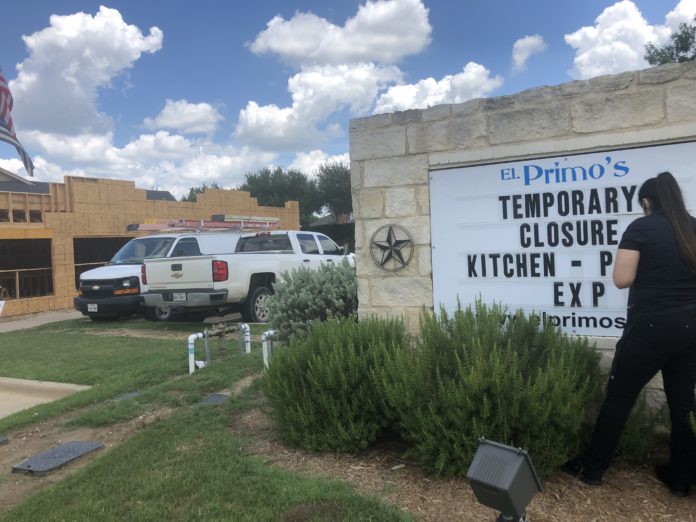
(214, 398)
(56, 457)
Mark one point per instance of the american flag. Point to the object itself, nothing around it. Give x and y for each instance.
(7, 132)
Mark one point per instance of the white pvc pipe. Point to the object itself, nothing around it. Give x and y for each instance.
(267, 345)
(191, 353)
(247, 336)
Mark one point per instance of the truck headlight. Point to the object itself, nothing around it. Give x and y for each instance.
(128, 286)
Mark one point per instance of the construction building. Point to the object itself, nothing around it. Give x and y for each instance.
(52, 232)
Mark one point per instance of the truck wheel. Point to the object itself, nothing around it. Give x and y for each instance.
(255, 309)
(160, 314)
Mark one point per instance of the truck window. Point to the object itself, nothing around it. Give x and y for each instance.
(264, 243)
(136, 250)
(187, 246)
(329, 247)
(219, 243)
(308, 244)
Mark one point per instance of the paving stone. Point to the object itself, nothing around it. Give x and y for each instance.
(3, 440)
(128, 396)
(214, 398)
(56, 457)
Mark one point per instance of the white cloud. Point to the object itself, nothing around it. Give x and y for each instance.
(616, 42)
(57, 86)
(174, 163)
(185, 117)
(474, 81)
(226, 167)
(160, 160)
(683, 13)
(80, 148)
(524, 48)
(317, 93)
(382, 31)
(309, 162)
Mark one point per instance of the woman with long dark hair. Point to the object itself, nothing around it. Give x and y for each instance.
(656, 259)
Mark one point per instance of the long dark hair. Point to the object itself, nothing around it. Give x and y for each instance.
(664, 194)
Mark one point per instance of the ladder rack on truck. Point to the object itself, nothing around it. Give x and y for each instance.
(219, 222)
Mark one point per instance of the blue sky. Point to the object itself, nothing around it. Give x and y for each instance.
(172, 94)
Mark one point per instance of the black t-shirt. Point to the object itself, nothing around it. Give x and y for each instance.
(663, 280)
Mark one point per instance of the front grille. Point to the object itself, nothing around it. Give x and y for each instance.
(97, 289)
(97, 282)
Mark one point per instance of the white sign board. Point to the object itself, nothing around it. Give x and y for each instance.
(541, 234)
(2, 305)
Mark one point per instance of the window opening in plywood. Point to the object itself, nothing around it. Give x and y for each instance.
(4, 215)
(26, 268)
(19, 216)
(35, 216)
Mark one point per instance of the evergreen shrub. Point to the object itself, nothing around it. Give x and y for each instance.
(302, 296)
(322, 388)
(487, 373)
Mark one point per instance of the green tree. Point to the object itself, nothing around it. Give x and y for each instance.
(194, 191)
(273, 187)
(681, 49)
(333, 182)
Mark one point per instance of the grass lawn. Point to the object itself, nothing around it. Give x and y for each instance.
(186, 467)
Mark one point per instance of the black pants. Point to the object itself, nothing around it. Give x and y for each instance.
(651, 343)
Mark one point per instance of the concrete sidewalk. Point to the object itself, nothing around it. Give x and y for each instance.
(21, 322)
(20, 394)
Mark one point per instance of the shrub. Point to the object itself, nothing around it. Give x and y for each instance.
(486, 373)
(322, 390)
(302, 296)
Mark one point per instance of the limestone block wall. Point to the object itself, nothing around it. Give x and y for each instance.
(392, 154)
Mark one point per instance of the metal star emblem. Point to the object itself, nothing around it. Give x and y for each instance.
(391, 247)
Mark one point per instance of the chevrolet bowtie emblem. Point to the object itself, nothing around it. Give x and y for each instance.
(177, 274)
(96, 287)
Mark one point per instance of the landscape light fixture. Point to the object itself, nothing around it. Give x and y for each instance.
(503, 478)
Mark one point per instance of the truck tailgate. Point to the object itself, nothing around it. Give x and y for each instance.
(179, 273)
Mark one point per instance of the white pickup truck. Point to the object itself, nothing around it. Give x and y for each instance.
(242, 281)
(113, 290)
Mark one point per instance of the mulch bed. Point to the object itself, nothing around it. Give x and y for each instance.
(629, 494)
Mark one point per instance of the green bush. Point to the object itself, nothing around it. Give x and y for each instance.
(303, 296)
(322, 390)
(486, 373)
